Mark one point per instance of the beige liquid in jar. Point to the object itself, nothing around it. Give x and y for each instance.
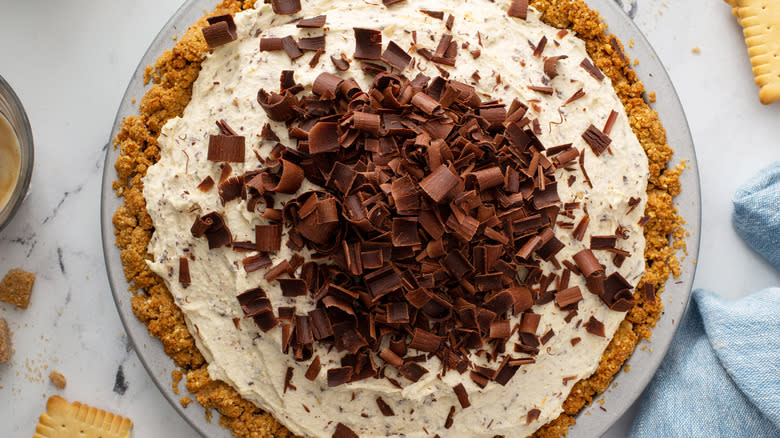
(10, 159)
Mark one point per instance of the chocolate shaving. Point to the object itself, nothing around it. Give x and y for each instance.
(278, 107)
(540, 47)
(288, 380)
(582, 226)
(547, 336)
(518, 9)
(291, 47)
(567, 297)
(530, 322)
(213, 226)
(463, 396)
(597, 140)
(206, 184)
(286, 7)
(324, 137)
(221, 30)
(368, 44)
(602, 242)
(551, 66)
(425, 341)
(544, 90)
(277, 270)
(591, 269)
(313, 22)
(256, 262)
(592, 69)
(268, 237)
(396, 56)
(584, 172)
(610, 122)
(314, 369)
(439, 183)
(184, 272)
(229, 148)
(339, 376)
(341, 64)
(595, 327)
(439, 15)
(316, 58)
(292, 287)
(343, 431)
(450, 418)
(386, 410)
(312, 43)
(412, 371)
(270, 44)
(577, 95)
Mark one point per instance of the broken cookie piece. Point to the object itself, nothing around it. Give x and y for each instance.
(16, 288)
(57, 379)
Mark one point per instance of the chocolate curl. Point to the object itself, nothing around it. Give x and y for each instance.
(367, 122)
(326, 84)
(221, 30)
(425, 103)
(489, 178)
(591, 269)
(214, 228)
(280, 108)
(291, 179)
(316, 217)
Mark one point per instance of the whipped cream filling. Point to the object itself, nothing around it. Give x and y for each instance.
(250, 360)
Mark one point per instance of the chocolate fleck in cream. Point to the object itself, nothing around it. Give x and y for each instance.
(403, 216)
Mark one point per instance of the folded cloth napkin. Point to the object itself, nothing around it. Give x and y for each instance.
(721, 376)
(757, 213)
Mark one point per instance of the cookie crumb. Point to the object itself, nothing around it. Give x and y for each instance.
(16, 288)
(5, 342)
(58, 379)
(651, 96)
(185, 401)
(696, 50)
(176, 377)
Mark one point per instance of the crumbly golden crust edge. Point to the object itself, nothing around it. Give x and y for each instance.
(172, 77)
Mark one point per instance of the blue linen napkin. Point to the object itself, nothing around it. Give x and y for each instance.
(721, 376)
(757, 213)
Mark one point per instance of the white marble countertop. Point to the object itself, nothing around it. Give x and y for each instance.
(70, 61)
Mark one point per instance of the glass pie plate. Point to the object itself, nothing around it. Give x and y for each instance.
(626, 387)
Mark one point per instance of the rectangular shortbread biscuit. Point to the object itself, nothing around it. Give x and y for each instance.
(760, 20)
(76, 420)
